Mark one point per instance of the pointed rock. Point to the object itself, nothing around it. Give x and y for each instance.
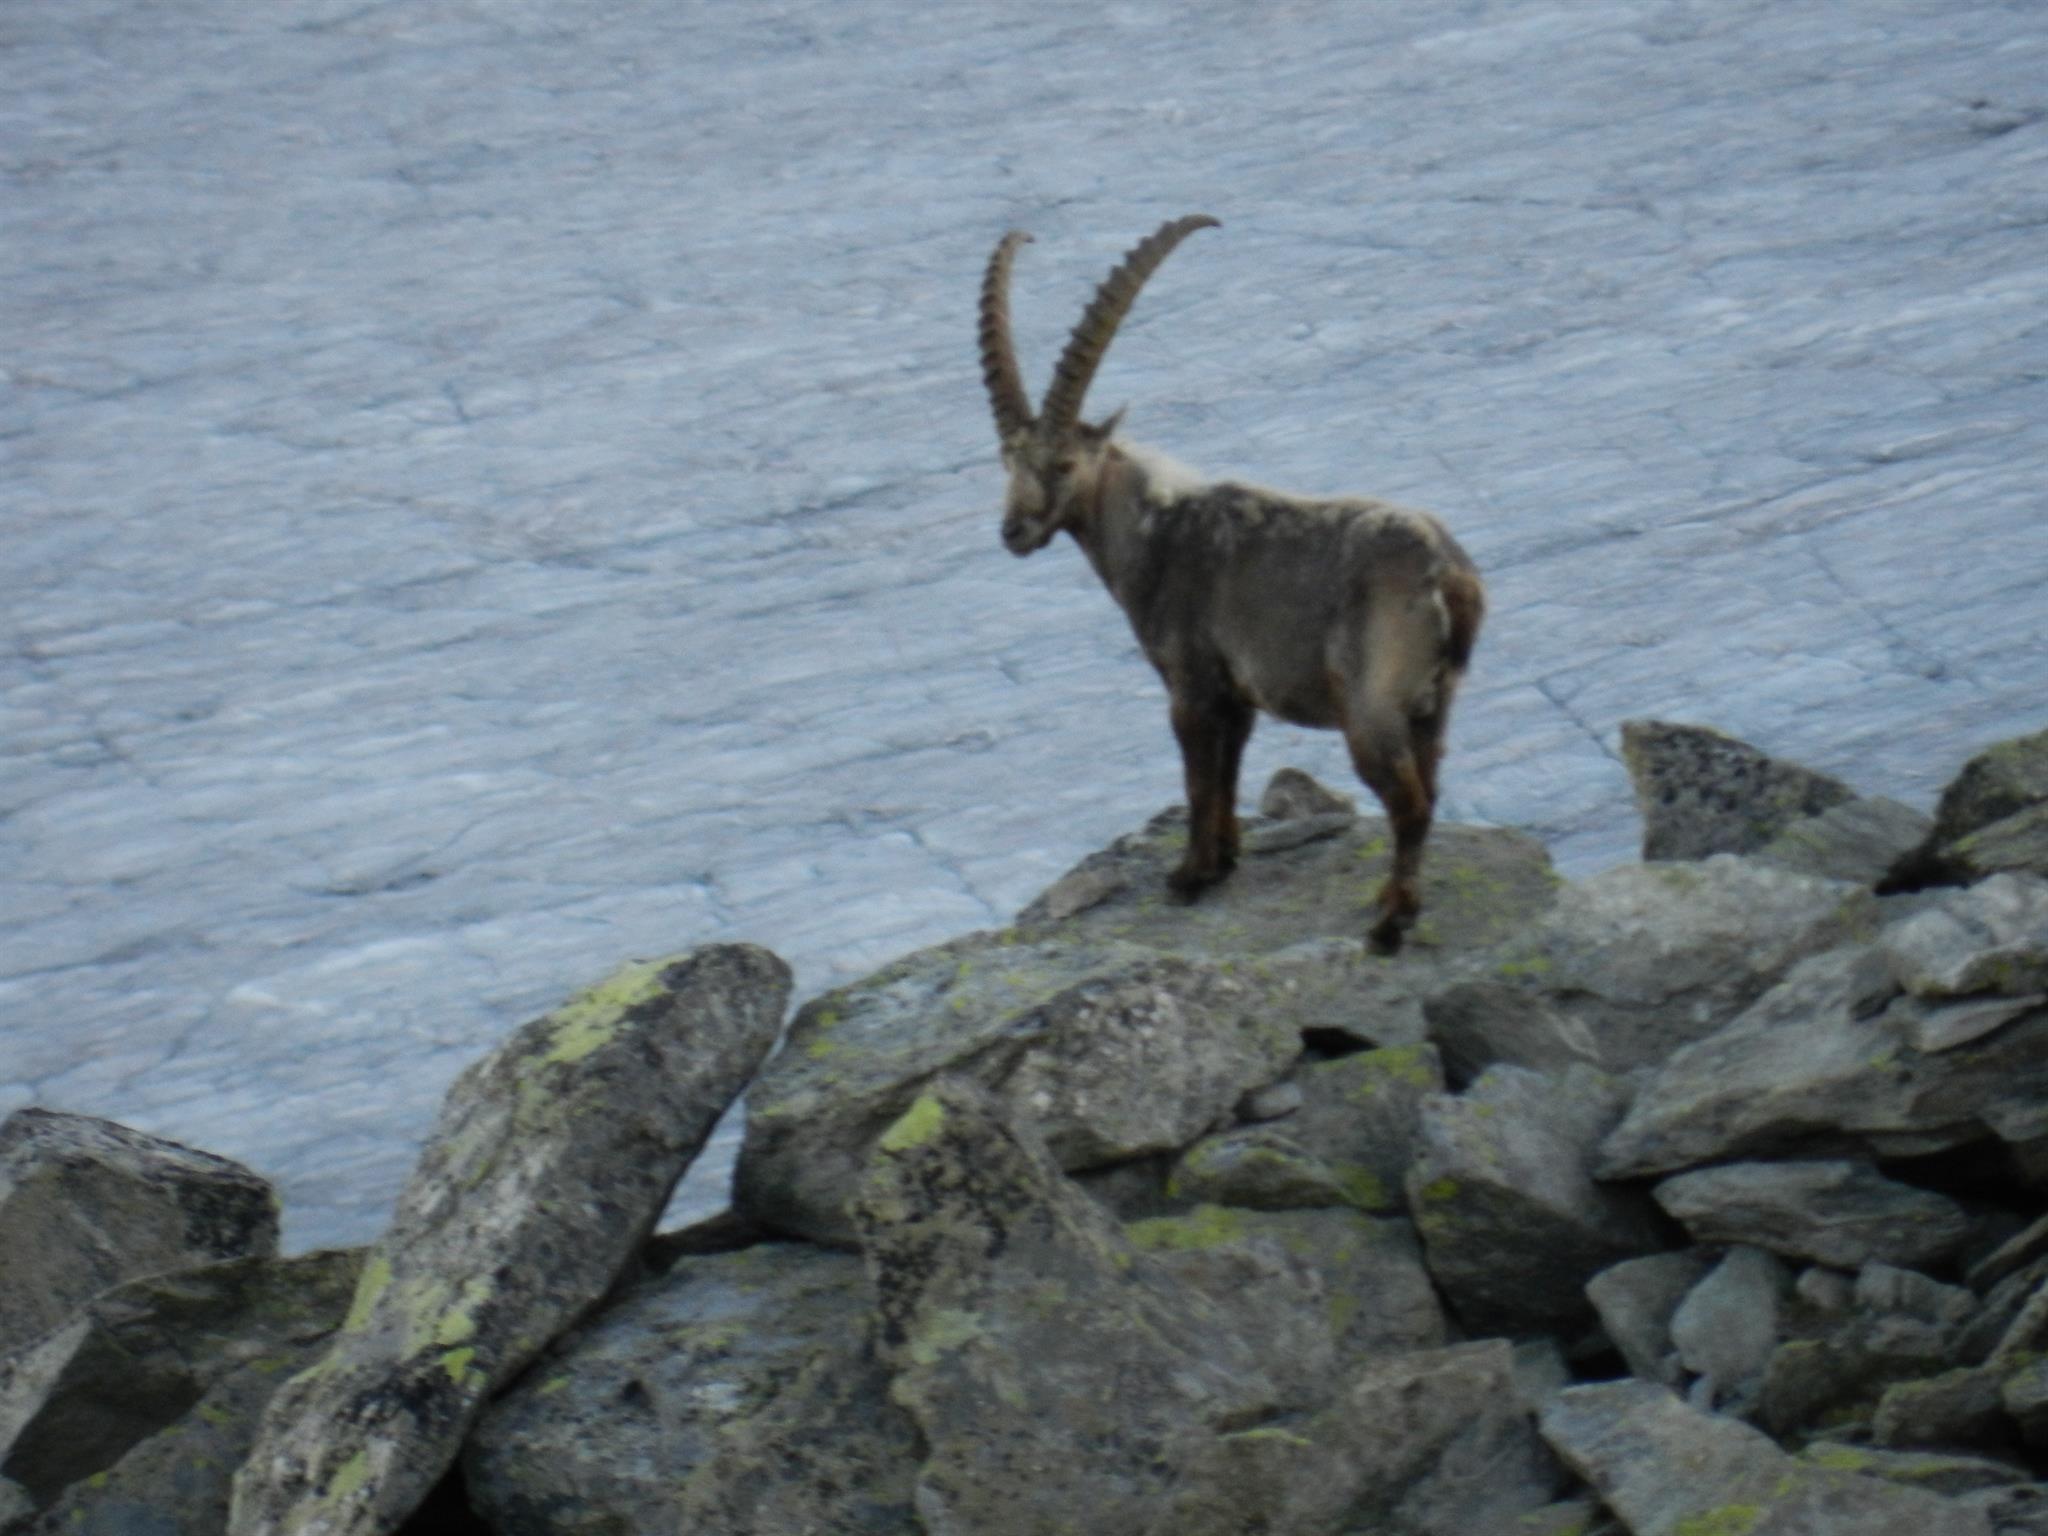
(549, 1164)
(1839, 1213)
(1701, 792)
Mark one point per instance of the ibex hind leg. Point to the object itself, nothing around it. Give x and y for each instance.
(1212, 737)
(1387, 760)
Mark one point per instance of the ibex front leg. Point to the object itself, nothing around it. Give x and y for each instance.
(1212, 730)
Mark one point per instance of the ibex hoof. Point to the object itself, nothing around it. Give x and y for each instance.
(1185, 885)
(1386, 935)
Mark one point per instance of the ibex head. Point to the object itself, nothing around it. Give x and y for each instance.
(1054, 457)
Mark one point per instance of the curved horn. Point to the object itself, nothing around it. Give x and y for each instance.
(998, 352)
(1113, 300)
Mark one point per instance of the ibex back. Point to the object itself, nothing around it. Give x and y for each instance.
(1346, 613)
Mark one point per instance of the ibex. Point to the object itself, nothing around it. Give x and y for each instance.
(1344, 613)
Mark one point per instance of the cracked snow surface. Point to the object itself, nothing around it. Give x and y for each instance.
(493, 488)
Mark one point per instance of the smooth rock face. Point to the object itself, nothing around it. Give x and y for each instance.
(1670, 1470)
(1701, 792)
(1858, 840)
(736, 1393)
(1648, 958)
(86, 1204)
(1058, 1377)
(551, 1161)
(148, 1399)
(1840, 1213)
(1506, 1168)
(1112, 1054)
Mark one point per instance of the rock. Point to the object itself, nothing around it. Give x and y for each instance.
(542, 1178)
(1265, 1169)
(1275, 1101)
(1727, 1327)
(2015, 1511)
(2012, 1256)
(1840, 1213)
(1648, 958)
(1636, 1300)
(1995, 788)
(1058, 1376)
(2016, 844)
(1670, 1470)
(1377, 1295)
(1481, 1024)
(1857, 840)
(1954, 1408)
(1361, 1114)
(1992, 938)
(1112, 1054)
(1506, 1169)
(1824, 1058)
(1450, 1453)
(1945, 1473)
(148, 1397)
(86, 1204)
(738, 1390)
(2024, 1396)
(1702, 793)
(1292, 795)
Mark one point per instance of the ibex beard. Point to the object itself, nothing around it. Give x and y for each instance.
(1345, 613)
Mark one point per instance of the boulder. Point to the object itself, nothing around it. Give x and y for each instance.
(551, 1159)
(1727, 1327)
(1377, 1295)
(1265, 1169)
(1670, 1470)
(1988, 819)
(1497, 1022)
(1827, 1061)
(86, 1204)
(1112, 1053)
(1450, 1452)
(1648, 958)
(1360, 1115)
(148, 1397)
(1701, 792)
(1506, 1168)
(1841, 1213)
(736, 1393)
(1061, 1378)
(1636, 1301)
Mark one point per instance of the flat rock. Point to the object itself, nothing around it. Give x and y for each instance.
(1841, 1213)
(1113, 1054)
(1670, 1470)
(550, 1163)
(1701, 792)
(1827, 1061)
(86, 1204)
(739, 1389)
(1506, 1168)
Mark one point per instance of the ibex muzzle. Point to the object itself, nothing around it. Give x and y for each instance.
(1346, 613)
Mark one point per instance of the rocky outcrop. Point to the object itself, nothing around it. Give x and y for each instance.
(1701, 1197)
(1701, 792)
(1992, 818)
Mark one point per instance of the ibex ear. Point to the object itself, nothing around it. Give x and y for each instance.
(1107, 430)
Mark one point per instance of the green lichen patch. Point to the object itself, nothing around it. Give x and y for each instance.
(1206, 1226)
(919, 1124)
(1728, 1520)
(370, 1289)
(944, 1331)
